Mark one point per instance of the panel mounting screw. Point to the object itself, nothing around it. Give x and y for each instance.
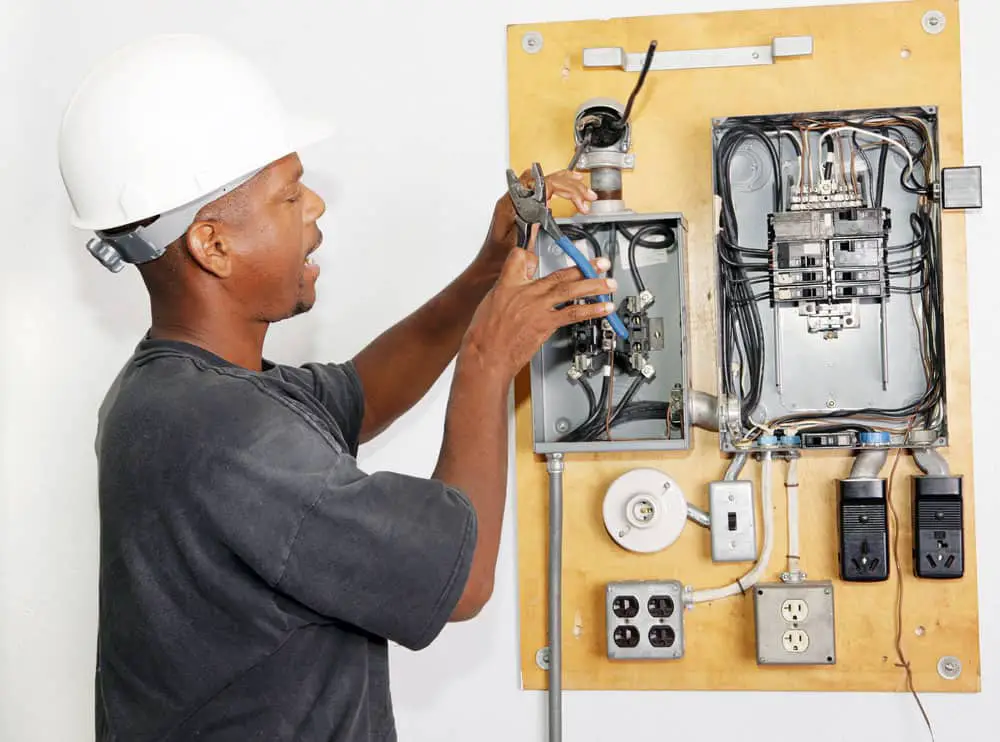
(543, 658)
(562, 425)
(531, 42)
(949, 668)
(831, 403)
(933, 21)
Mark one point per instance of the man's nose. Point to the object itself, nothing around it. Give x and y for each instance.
(315, 206)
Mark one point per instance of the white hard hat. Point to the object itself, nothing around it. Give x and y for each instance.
(159, 129)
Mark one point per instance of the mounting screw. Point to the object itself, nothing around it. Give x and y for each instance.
(933, 21)
(531, 42)
(562, 425)
(543, 658)
(949, 668)
(831, 403)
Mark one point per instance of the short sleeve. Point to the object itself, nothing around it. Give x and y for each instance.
(338, 387)
(385, 552)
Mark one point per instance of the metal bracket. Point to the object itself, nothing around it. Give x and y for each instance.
(743, 56)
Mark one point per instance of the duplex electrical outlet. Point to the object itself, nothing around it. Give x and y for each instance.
(795, 623)
(645, 620)
(733, 533)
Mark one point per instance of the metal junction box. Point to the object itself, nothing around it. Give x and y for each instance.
(576, 404)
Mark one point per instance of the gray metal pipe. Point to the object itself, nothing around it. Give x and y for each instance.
(931, 462)
(554, 465)
(735, 467)
(868, 464)
(699, 516)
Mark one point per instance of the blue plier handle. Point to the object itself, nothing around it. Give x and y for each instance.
(530, 208)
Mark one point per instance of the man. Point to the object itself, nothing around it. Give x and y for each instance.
(251, 573)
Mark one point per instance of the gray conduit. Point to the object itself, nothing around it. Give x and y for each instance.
(868, 464)
(554, 464)
(699, 516)
(735, 467)
(931, 462)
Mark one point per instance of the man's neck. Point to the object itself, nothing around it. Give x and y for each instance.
(239, 343)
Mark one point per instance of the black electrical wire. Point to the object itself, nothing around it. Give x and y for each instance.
(638, 86)
(641, 238)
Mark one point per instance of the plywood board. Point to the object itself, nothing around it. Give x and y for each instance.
(859, 61)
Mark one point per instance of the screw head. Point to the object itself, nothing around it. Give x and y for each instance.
(831, 403)
(531, 42)
(933, 21)
(562, 425)
(543, 658)
(949, 668)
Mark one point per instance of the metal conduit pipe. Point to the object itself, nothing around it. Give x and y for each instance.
(704, 411)
(868, 464)
(931, 462)
(699, 516)
(735, 467)
(554, 465)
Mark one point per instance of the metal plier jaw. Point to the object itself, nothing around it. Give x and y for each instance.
(530, 206)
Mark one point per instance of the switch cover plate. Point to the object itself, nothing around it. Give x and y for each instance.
(734, 535)
(795, 623)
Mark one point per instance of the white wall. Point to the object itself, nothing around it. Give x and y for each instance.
(407, 210)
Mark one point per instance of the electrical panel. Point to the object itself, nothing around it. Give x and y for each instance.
(829, 280)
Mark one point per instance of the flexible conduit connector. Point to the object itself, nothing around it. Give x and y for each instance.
(868, 464)
(555, 465)
(931, 462)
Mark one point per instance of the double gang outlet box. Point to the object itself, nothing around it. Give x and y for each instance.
(571, 392)
(795, 623)
(645, 620)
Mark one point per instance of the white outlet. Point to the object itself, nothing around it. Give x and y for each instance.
(796, 641)
(794, 611)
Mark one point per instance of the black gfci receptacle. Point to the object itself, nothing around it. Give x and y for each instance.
(864, 530)
(938, 517)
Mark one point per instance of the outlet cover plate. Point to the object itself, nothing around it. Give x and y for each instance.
(660, 618)
(773, 625)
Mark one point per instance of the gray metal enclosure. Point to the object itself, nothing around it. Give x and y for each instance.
(875, 360)
(559, 404)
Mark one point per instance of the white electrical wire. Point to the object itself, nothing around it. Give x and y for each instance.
(750, 578)
(873, 135)
(792, 490)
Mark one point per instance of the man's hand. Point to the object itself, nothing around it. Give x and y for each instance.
(502, 236)
(519, 314)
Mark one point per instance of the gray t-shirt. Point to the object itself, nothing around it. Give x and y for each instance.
(251, 574)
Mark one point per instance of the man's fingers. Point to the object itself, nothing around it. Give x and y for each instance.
(564, 275)
(519, 267)
(564, 292)
(575, 313)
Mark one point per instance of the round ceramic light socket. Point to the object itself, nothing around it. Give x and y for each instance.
(645, 511)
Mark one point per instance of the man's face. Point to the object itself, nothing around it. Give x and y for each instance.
(274, 234)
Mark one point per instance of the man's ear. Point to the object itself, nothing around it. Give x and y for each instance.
(209, 249)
